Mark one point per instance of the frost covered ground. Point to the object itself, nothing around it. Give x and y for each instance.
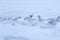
(25, 30)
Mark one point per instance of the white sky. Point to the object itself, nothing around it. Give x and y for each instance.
(37, 6)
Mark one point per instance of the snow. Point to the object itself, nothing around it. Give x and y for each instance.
(20, 29)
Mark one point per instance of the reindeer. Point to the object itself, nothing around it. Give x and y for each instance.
(39, 18)
(28, 18)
